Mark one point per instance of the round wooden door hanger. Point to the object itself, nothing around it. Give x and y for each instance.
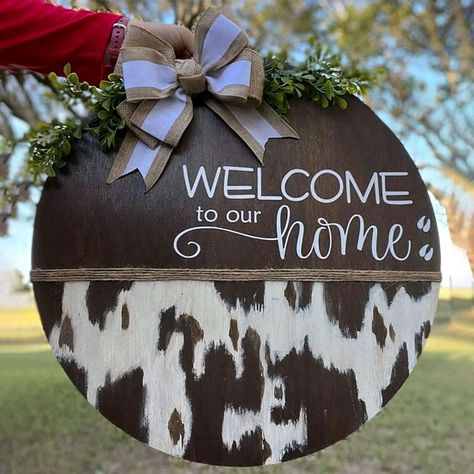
(251, 315)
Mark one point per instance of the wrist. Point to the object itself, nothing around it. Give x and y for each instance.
(112, 51)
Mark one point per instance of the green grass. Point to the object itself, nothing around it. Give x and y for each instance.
(453, 302)
(47, 427)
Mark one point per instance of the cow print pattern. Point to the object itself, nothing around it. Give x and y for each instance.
(234, 373)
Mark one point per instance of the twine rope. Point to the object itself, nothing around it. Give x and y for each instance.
(225, 274)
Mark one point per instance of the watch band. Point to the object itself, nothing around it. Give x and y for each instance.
(112, 52)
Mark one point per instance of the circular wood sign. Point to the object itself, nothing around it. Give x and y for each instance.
(229, 372)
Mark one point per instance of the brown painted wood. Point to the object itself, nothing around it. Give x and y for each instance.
(233, 373)
(118, 225)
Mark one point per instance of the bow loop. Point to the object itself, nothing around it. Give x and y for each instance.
(158, 106)
(138, 36)
(217, 40)
(147, 74)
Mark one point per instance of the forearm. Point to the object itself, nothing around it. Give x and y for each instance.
(43, 37)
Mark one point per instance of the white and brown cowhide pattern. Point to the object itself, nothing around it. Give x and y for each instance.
(237, 373)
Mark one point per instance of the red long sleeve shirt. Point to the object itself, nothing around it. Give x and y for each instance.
(43, 37)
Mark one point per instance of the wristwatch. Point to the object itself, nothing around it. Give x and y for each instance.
(113, 49)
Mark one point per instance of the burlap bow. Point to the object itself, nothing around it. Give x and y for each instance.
(158, 106)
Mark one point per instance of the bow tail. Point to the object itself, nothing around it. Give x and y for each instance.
(255, 126)
(134, 154)
(155, 128)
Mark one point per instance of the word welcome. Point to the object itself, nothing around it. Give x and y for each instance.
(342, 185)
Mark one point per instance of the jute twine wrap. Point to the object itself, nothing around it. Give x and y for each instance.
(217, 274)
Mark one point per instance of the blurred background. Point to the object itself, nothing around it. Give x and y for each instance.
(423, 52)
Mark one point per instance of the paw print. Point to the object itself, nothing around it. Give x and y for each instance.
(426, 252)
(424, 224)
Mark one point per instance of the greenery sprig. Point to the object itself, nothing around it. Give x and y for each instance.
(106, 123)
(51, 145)
(321, 78)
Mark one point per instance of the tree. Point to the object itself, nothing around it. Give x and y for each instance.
(427, 50)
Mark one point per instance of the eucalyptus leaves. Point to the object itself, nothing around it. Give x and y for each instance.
(320, 78)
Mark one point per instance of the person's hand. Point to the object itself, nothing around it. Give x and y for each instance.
(179, 37)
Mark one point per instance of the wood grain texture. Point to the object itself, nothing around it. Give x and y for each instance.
(117, 225)
(232, 373)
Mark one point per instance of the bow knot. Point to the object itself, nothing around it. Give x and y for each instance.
(158, 106)
(191, 76)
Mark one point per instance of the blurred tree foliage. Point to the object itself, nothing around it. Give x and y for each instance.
(426, 48)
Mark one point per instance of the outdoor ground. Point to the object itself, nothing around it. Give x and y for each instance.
(47, 427)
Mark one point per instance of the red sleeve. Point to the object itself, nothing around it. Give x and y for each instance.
(43, 37)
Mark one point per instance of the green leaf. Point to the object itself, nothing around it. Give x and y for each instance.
(66, 148)
(67, 69)
(73, 78)
(342, 103)
(50, 173)
(53, 77)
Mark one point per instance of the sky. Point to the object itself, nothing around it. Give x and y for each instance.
(454, 264)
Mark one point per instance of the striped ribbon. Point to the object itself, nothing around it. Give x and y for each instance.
(158, 106)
